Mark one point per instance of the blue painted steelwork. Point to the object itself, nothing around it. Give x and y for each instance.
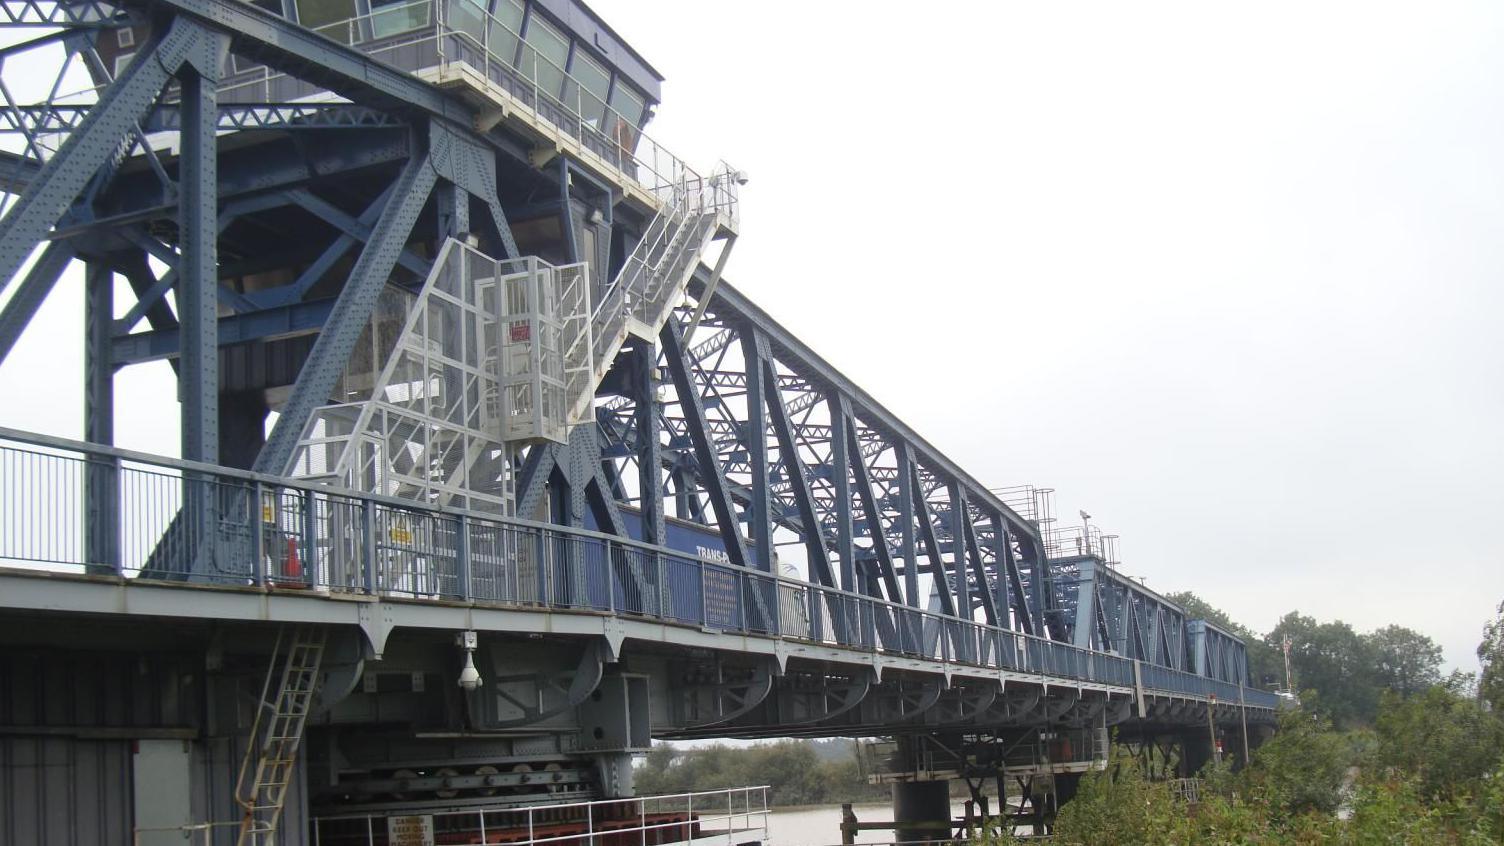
(738, 428)
(416, 553)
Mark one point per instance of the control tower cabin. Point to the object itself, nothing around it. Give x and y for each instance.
(487, 477)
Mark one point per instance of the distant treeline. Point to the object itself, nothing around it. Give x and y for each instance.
(800, 772)
(1350, 669)
(1382, 749)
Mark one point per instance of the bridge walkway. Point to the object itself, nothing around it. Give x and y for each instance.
(304, 552)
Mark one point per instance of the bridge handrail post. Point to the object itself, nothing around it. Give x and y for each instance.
(816, 623)
(368, 547)
(662, 568)
(258, 538)
(309, 520)
(541, 565)
(462, 557)
(610, 577)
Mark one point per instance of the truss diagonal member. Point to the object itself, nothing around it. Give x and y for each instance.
(28, 298)
(1015, 582)
(352, 226)
(149, 301)
(979, 572)
(875, 530)
(88, 148)
(710, 465)
(819, 555)
(326, 361)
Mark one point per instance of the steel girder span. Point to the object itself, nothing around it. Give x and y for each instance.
(732, 539)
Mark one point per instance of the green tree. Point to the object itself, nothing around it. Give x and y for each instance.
(654, 774)
(1405, 661)
(1335, 660)
(1491, 656)
(1118, 805)
(1302, 768)
(1445, 742)
(793, 770)
(1393, 811)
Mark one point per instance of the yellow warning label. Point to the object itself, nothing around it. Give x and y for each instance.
(400, 534)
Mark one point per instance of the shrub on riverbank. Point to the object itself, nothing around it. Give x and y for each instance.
(1432, 773)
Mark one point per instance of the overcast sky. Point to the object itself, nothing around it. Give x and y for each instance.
(1226, 277)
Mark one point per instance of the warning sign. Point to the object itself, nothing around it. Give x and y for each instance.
(415, 830)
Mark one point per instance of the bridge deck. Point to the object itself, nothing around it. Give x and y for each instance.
(308, 553)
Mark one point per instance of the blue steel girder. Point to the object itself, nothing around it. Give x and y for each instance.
(229, 117)
(98, 137)
(42, 13)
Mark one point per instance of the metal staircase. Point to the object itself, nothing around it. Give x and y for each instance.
(657, 273)
(277, 734)
(490, 355)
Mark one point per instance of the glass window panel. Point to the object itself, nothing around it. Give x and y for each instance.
(594, 81)
(391, 17)
(625, 117)
(315, 14)
(548, 54)
(627, 103)
(506, 23)
(469, 17)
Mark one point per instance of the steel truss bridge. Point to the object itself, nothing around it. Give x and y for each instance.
(463, 394)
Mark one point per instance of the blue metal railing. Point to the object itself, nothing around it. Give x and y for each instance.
(65, 504)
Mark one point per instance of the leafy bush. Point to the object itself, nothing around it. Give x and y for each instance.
(1302, 768)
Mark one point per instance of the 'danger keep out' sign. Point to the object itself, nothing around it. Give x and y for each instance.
(415, 830)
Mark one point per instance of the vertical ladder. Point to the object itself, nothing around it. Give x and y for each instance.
(275, 749)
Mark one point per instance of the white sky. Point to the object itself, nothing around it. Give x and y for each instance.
(1225, 276)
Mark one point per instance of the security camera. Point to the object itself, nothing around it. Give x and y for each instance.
(469, 676)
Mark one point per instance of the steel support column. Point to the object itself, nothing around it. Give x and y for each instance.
(840, 478)
(906, 523)
(454, 211)
(101, 512)
(198, 264)
(755, 436)
(958, 520)
(649, 450)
